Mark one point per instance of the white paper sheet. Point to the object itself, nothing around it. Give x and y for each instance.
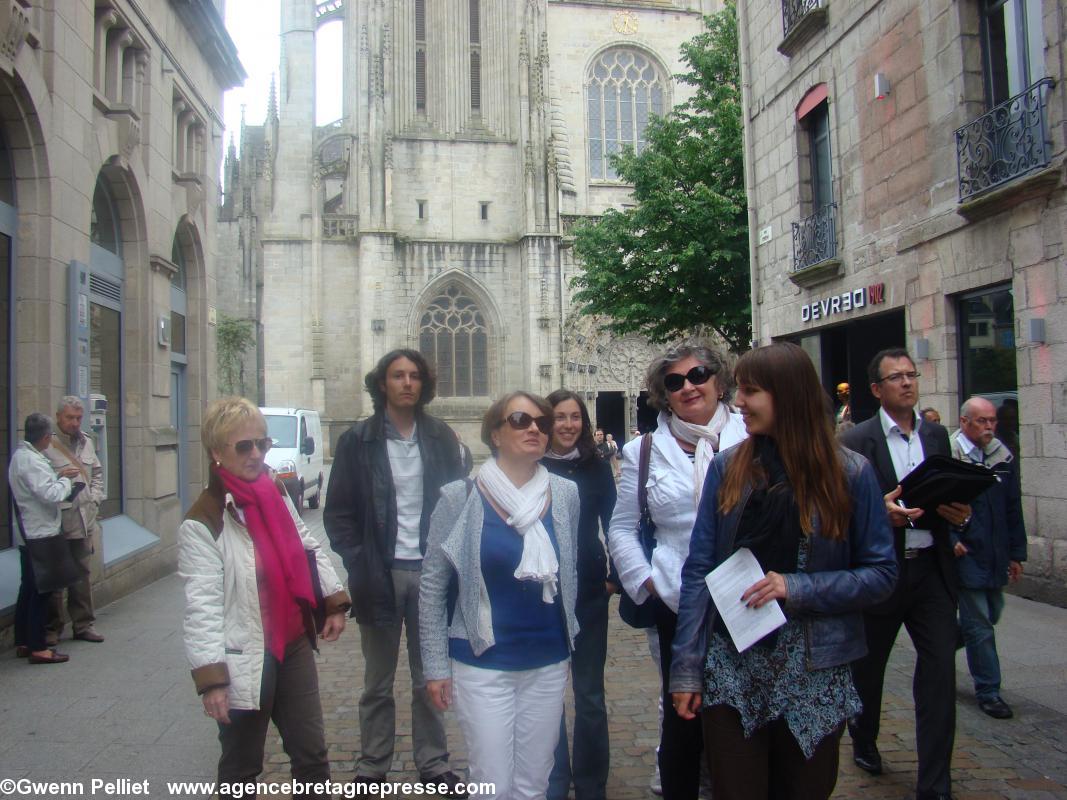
(727, 582)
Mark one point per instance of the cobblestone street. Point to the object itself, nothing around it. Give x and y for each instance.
(126, 708)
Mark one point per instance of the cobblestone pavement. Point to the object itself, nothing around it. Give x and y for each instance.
(126, 709)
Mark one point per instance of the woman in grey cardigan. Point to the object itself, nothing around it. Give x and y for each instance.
(496, 604)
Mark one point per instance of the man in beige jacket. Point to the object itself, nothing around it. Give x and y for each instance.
(71, 447)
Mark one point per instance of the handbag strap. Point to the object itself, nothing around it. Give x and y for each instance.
(642, 474)
(73, 459)
(18, 518)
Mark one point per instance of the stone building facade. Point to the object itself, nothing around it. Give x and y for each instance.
(436, 213)
(110, 147)
(906, 176)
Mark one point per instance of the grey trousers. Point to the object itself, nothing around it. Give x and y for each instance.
(79, 595)
(377, 706)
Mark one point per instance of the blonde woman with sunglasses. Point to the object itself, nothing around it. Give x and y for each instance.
(250, 628)
(690, 385)
(496, 606)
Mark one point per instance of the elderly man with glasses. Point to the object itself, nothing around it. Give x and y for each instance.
(896, 440)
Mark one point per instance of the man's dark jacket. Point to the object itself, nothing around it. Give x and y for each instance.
(360, 512)
(868, 439)
(997, 533)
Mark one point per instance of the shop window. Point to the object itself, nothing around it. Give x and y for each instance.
(622, 88)
(454, 336)
(987, 344)
(8, 424)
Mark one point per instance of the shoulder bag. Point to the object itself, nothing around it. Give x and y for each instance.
(54, 566)
(643, 615)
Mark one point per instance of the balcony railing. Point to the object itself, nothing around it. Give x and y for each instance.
(1004, 143)
(793, 11)
(815, 238)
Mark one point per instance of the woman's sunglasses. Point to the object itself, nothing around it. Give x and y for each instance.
(244, 447)
(696, 376)
(520, 421)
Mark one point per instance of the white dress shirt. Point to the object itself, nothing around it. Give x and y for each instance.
(907, 453)
(405, 463)
(670, 501)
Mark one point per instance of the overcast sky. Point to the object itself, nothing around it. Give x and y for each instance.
(253, 24)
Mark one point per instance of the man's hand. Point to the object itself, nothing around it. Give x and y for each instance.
(770, 587)
(650, 586)
(899, 517)
(686, 704)
(333, 627)
(611, 588)
(440, 693)
(1015, 571)
(960, 549)
(217, 704)
(957, 514)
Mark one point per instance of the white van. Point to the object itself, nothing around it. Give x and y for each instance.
(297, 452)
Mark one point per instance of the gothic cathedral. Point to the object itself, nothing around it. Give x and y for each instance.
(436, 212)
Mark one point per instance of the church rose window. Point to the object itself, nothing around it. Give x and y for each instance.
(454, 336)
(622, 88)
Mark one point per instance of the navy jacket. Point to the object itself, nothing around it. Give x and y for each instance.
(597, 493)
(839, 581)
(997, 533)
(360, 512)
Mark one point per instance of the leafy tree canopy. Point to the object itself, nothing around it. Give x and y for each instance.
(677, 261)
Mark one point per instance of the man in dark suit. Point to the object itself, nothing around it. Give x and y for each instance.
(896, 441)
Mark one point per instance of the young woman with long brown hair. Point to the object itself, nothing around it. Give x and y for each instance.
(812, 513)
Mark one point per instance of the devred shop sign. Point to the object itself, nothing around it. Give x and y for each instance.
(854, 300)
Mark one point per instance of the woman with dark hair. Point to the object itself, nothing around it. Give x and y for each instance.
(496, 608)
(691, 386)
(812, 513)
(572, 455)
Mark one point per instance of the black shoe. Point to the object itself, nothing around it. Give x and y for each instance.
(362, 780)
(867, 757)
(457, 786)
(996, 708)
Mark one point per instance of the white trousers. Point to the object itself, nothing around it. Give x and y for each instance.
(510, 721)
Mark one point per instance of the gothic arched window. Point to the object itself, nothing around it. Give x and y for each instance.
(453, 334)
(622, 88)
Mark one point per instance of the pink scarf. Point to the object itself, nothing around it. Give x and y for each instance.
(282, 564)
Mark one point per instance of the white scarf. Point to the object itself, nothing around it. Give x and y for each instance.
(571, 455)
(706, 440)
(523, 507)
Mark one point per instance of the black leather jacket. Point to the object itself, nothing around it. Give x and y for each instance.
(360, 512)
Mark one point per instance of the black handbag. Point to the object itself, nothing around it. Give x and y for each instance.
(643, 615)
(54, 566)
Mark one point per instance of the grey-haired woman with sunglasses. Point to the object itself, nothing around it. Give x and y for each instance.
(250, 603)
(496, 604)
(691, 386)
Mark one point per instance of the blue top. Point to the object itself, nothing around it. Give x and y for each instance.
(529, 632)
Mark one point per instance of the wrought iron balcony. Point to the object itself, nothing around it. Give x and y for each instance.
(793, 11)
(815, 238)
(1004, 143)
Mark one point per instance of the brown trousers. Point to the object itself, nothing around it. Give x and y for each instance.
(289, 696)
(79, 595)
(769, 764)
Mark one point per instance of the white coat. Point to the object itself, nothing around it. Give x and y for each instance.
(670, 502)
(37, 490)
(224, 639)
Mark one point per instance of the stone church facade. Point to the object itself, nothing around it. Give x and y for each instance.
(436, 213)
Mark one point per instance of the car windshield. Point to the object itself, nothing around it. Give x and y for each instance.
(282, 430)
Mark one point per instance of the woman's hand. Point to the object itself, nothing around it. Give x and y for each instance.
(686, 704)
(440, 693)
(333, 627)
(217, 704)
(651, 587)
(770, 587)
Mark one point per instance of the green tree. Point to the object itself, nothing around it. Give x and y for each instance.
(676, 263)
(233, 338)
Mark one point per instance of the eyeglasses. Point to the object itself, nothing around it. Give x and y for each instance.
(520, 421)
(897, 377)
(244, 447)
(697, 376)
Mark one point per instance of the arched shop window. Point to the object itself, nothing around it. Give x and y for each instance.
(107, 275)
(454, 336)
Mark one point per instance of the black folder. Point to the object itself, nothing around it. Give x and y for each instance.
(943, 479)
